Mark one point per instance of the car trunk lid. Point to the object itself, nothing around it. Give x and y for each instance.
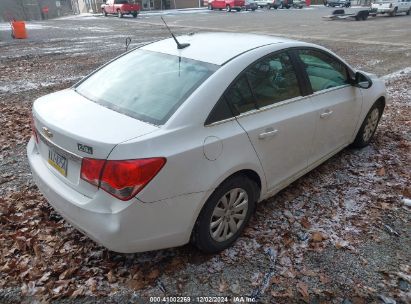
(71, 127)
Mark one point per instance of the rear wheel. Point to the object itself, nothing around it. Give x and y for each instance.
(225, 214)
(228, 8)
(120, 14)
(392, 14)
(135, 15)
(368, 127)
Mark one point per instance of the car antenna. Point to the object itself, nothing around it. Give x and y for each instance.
(179, 45)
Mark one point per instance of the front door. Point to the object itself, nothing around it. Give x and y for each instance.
(337, 103)
(279, 121)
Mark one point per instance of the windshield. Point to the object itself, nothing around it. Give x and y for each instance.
(146, 85)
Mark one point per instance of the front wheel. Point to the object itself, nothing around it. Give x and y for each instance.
(368, 127)
(392, 14)
(228, 8)
(135, 15)
(210, 7)
(225, 214)
(104, 13)
(120, 14)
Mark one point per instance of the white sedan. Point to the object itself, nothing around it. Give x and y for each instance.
(163, 146)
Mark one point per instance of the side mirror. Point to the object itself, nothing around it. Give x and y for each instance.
(362, 81)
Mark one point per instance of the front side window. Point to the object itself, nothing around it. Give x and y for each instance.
(324, 71)
(273, 79)
(146, 85)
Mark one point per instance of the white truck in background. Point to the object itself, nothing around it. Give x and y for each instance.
(391, 7)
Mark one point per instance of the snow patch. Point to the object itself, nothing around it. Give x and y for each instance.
(401, 73)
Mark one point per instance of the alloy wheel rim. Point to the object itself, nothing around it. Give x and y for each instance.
(371, 125)
(229, 214)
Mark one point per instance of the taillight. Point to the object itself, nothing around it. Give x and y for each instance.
(121, 178)
(33, 129)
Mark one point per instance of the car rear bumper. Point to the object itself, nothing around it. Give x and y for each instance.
(126, 227)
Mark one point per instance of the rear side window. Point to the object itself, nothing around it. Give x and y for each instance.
(273, 79)
(324, 71)
(240, 97)
(146, 85)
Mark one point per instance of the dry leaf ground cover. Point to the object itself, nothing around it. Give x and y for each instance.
(340, 234)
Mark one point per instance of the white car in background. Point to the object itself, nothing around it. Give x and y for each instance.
(166, 145)
(391, 7)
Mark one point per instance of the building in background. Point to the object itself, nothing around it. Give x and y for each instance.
(33, 9)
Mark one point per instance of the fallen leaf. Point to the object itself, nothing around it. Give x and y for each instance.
(154, 274)
(324, 279)
(305, 223)
(110, 277)
(303, 290)
(381, 172)
(341, 244)
(223, 286)
(318, 236)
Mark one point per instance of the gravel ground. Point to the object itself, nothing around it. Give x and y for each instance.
(340, 234)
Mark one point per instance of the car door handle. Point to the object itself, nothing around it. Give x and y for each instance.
(326, 114)
(268, 133)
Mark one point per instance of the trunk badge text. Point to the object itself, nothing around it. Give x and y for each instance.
(85, 148)
(47, 132)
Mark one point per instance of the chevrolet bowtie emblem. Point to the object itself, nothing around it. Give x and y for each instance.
(47, 132)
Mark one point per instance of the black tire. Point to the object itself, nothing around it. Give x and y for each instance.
(364, 17)
(120, 14)
(104, 13)
(201, 236)
(238, 9)
(361, 140)
(210, 7)
(135, 14)
(228, 8)
(408, 12)
(394, 13)
(253, 9)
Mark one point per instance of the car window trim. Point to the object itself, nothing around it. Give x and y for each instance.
(300, 81)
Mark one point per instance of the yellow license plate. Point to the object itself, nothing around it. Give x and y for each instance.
(58, 162)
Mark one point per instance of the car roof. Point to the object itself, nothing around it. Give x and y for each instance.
(216, 48)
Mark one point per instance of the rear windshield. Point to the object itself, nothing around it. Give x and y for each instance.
(146, 85)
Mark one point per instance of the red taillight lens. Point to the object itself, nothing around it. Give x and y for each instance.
(121, 178)
(33, 129)
(91, 170)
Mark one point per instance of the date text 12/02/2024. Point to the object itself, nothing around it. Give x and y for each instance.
(202, 299)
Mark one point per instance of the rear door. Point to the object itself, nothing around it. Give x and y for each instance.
(279, 121)
(337, 104)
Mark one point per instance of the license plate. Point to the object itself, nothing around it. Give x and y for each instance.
(58, 162)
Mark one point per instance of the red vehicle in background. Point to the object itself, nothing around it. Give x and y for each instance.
(120, 8)
(228, 5)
